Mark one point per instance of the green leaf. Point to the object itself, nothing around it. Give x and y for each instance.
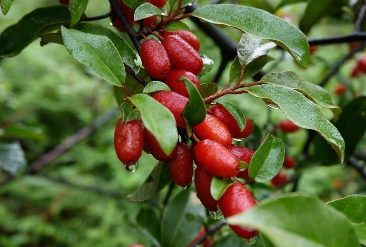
(77, 9)
(301, 112)
(48, 38)
(181, 221)
(146, 10)
(176, 26)
(17, 37)
(232, 240)
(97, 53)
(195, 111)
(12, 158)
(252, 69)
(5, 5)
(251, 48)
(267, 160)
(259, 24)
(128, 55)
(353, 206)
(361, 232)
(208, 63)
(133, 87)
(219, 186)
(133, 4)
(20, 131)
(236, 113)
(208, 89)
(158, 120)
(314, 92)
(154, 183)
(149, 222)
(299, 220)
(155, 86)
(174, 3)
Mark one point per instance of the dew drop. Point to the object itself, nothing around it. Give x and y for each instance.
(132, 168)
(238, 139)
(190, 4)
(216, 215)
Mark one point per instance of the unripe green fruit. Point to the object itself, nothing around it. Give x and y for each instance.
(181, 168)
(127, 12)
(155, 59)
(154, 148)
(178, 86)
(187, 36)
(202, 180)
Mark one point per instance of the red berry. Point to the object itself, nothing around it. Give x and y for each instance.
(65, 2)
(155, 149)
(202, 180)
(238, 199)
(225, 116)
(355, 72)
(288, 127)
(178, 86)
(216, 158)
(208, 242)
(313, 49)
(129, 141)
(175, 103)
(187, 36)
(149, 21)
(362, 64)
(213, 129)
(279, 179)
(181, 168)
(128, 13)
(182, 55)
(243, 154)
(340, 89)
(157, 3)
(289, 162)
(155, 59)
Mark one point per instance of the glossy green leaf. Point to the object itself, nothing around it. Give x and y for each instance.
(208, 89)
(5, 5)
(361, 232)
(149, 222)
(208, 63)
(128, 55)
(299, 220)
(12, 158)
(195, 111)
(55, 38)
(314, 92)
(260, 24)
(133, 4)
(18, 36)
(154, 183)
(219, 186)
(128, 113)
(77, 9)
(174, 3)
(147, 10)
(232, 240)
(236, 113)
(155, 86)
(302, 112)
(97, 53)
(251, 70)
(353, 206)
(267, 160)
(181, 221)
(176, 26)
(158, 120)
(251, 48)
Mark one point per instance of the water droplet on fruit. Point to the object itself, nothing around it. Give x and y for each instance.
(132, 168)
(190, 4)
(216, 215)
(251, 241)
(238, 139)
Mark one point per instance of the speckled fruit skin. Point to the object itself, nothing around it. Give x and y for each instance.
(178, 86)
(340, 89)
(175, 103)
(225, 116)
(128, 13)
(155, 59)
(202, 179)
(243, 154)
(155, 149)
(187, 36)
(182, 55)
(157, 3)
(129, 141)
(289, 162)
(65, 2)
(216, 158)
(181, 168)
(279, 179)
(238, 199)
(212, 128)
(288, 127)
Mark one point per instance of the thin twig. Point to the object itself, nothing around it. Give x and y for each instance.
(137, 78)
(99, 17)
(353, 162)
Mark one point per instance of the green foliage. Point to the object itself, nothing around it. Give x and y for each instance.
(236, 113)
(147, 10)
(176, 26)
(155, 86)
(5, 5)
(195, 111)
(77, 9)
(12, 158)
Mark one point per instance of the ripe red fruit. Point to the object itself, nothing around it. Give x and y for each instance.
(129, 141)
(149, 21)
(175, 103)
(208, 242)
(243, 154)
(213, 129)
(155, 149)
(355, 72)
(238, 199)
(216, 158)
(279, 179)
(362, 64)
(155, 59)
(202, 180)
(65, 2)
(178, 86)
(127, 12)
(289, 162)
(157, 3)
(182, 55)
(187, 36)
(313, 49)
(225, 116)
(340, 89)
(181, 168)
(288, 127)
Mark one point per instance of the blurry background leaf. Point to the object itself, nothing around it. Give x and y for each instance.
(5, 5)
(12, 158)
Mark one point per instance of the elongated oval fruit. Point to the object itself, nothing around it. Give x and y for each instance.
(202, 180)
(181, 168)
(289, 162)
(178, 86)
(243, 154)
(288, 127)
(155, 59)
(238, 199)
(157, 3)
(149, 21)
(154, 148)
(175, 103)
(225, 116)
(182, 55)
(127, 12)
(129, 141)
(216, 158)
(212, 128)
(187, 36)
